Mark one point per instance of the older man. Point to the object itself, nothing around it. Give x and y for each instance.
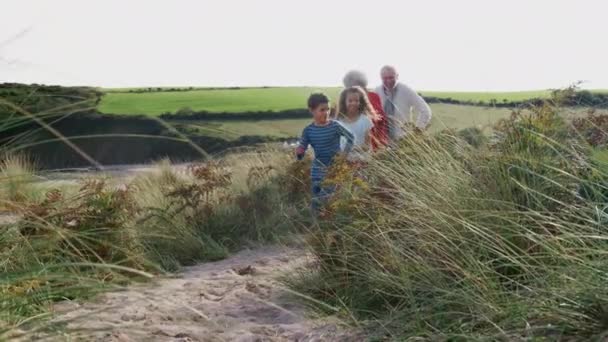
(380, 129)
(398, 101)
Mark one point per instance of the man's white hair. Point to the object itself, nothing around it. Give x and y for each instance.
(388, 68)
(355, 78)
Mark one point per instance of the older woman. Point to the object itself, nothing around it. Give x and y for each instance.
(380, 130)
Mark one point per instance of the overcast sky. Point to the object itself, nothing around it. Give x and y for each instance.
(435, 44)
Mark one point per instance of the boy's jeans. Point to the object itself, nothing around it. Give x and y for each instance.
(320, 195)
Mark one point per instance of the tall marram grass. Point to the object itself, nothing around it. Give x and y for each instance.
(439, 239)
(16, 175)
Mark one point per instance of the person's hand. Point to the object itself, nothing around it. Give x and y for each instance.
(333, 111)
(300, 152)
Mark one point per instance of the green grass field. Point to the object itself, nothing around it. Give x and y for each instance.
(444, 116)
(224, 100)
(116, 101)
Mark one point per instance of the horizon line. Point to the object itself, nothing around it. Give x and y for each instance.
(195, 87)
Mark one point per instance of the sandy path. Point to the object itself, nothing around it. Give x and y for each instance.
(122, 172)
(208, 302)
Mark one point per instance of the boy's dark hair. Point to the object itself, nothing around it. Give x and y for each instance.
(315, 99)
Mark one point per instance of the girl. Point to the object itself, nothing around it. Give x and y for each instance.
(356, 113)
(380, 129)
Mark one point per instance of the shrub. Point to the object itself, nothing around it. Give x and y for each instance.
(593, 128)
(93, 226)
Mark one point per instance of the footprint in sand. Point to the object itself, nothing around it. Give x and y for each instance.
(261, 290)
(247, 270)
(210, 297)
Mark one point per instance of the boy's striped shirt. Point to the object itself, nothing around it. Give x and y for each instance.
(325, 141)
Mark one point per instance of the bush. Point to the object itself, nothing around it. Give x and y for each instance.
(93, 226)
(171, 205)
(593, 128)
(538, 164)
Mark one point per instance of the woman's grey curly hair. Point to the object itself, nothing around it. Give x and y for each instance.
(355, 78)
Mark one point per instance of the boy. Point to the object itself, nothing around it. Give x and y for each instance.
(324, 137)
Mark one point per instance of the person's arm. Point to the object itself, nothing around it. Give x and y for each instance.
(421, 108)
(374, 100)
(346, 133)
(368, 134)
(333, 112)
(303, 146)
(380, 128)
(368, 141)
